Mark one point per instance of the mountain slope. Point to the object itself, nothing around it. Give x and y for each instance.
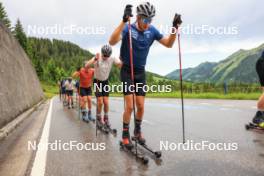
(238, 67)
(198, 73)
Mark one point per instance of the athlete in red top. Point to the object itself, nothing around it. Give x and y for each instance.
(86, 79)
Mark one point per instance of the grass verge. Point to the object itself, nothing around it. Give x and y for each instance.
(230, 96)
(49, 90)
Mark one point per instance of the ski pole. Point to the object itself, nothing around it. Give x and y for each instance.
(132, 70)
(181, 86)
(96, 118)
(79, 99)
(60, 90)
(96, 108)
(76, 95)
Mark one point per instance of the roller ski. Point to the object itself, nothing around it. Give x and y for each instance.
(257, 122)
(250, 126)
(101, 126)
(138, 137)
(127, 146)
(132, 150)
(113, 131)
(86, 116)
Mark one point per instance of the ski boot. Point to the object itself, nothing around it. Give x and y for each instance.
(137, 132)
(90, 118)
(106, 121)
(258, 118)
(126, 142)
(85, 115)
(99, 121)
(139, 137)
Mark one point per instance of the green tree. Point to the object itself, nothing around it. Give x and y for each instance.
(59, 73)
(51, 73)
(3, 16)
(30, 51)
(39, 68)
(20, 35)
(54, 59)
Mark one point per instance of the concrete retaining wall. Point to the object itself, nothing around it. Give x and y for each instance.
(19, 85)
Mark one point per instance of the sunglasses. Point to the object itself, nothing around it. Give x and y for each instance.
(106, 56)
(146, 20)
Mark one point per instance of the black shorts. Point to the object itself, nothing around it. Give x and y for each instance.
(85, 91)
(63, 91)
(101, 89)
(139, 81)
(260, 71)
(78, 90)
(69, 92)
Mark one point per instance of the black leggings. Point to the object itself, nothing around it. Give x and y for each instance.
(260, 70)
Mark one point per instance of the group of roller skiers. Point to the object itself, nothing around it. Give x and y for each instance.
(66, 89)
(136, 40)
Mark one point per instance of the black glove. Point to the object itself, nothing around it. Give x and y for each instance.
(177, 20)
(127, 13)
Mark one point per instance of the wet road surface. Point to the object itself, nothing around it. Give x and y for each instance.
(212, 121)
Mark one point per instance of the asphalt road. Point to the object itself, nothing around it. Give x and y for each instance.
(212, 121)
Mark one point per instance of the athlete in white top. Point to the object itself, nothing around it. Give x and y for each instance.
(102, 67)
(69, 85)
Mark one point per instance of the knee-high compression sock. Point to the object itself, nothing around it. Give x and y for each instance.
(137, 126)
(125, 133)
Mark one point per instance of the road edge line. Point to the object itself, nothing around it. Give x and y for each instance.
(39, 164)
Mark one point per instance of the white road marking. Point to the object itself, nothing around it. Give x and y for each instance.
(227, 105)
(148, 122)
(39, 164)
(205, 104)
